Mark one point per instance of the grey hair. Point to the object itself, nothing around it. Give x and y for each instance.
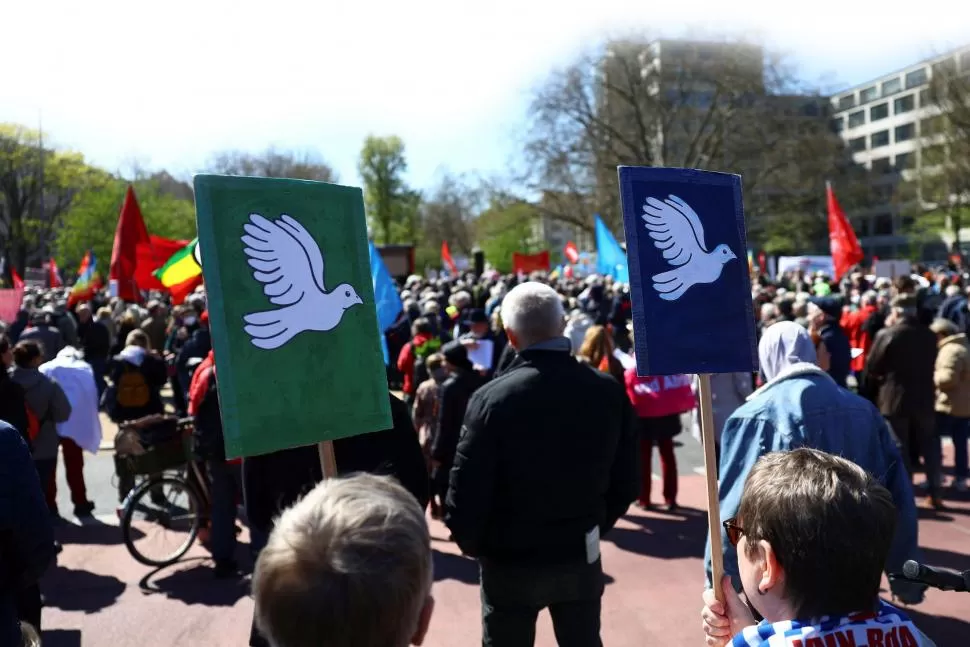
(534, 312)
(347, 566)
(952, 290)
(870, 298)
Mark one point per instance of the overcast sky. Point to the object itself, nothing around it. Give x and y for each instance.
(167, 84)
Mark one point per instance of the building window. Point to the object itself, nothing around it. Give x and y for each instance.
(883, 225)
(925, 99)
(904, 104)
(916, 78)
(846, 102)
(869, 94)
(904, 161)
(857, 118)
(837, 124)
(905, 132)
(880, 111)
(879, 139)
(881, 166)
(891, 86)
(857, 145)
(947, 66)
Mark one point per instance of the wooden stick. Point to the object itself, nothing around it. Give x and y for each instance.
(328, 462)
(710, 472)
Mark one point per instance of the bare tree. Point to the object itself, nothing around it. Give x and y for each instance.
(944, 167)
(300, 165)
(447, 213)
(720, 106)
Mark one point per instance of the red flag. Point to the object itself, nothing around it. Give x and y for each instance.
(571, 252)
(763, 262)
(18, 283)
(843, 243)
(447, 259)
(124, 255)
(54, 274)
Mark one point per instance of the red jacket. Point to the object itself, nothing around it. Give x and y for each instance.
(405, 362)
(852, 323)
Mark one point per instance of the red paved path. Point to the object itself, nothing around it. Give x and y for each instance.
(99, 596)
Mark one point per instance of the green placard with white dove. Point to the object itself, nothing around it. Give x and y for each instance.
(291, 309)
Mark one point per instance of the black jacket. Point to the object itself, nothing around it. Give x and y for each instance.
(273, 482)
(13, 405)
(547, 452)
(899, 371)
(95, 340)
(453, 400)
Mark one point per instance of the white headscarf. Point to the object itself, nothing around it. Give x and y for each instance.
(782, 346)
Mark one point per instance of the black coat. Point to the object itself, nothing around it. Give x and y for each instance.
(273, 482)
(547, 452)
(899, 370)
(453, 399)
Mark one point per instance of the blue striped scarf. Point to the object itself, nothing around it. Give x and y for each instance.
(887, 627)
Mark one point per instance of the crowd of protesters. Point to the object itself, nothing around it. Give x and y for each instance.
(525, 427)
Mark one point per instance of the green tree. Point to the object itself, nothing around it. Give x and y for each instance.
(37, 186)
(504, 228)
(390, 203)
(91, 221)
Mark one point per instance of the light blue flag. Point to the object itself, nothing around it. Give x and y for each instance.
(610, 258)
(386, 298)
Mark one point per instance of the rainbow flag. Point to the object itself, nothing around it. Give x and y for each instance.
(88, 280)
(750, 262)
(182, 272)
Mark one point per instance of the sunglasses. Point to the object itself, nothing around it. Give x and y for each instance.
(733, 530)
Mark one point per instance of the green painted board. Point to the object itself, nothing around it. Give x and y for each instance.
(291, 309)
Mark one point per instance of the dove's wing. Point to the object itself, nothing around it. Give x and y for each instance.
(284, 258)
(675, 229)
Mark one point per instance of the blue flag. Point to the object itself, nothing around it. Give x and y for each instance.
(689, 279)
(386, 298)
(610, 258)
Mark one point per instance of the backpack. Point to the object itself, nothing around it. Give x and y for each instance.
(131, 388)
(421, 355)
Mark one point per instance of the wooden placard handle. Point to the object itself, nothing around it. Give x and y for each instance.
(710, 474)
(328, 462)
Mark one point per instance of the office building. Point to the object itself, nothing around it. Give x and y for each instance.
(890, 125)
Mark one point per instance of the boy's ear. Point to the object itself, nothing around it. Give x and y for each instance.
(424, 621)
(772, 575)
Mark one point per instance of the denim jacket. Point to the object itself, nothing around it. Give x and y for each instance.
(803, 407)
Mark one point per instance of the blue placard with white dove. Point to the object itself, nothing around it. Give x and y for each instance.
(689, 277)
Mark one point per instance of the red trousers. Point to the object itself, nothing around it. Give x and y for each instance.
(74, 470)
(668, 469)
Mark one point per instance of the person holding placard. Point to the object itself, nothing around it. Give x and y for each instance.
(812, 532)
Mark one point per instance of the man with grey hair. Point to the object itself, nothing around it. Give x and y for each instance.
(545, 466)
(349, 565)
(899, 378)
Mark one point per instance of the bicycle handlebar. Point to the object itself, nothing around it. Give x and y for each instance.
(945, 579)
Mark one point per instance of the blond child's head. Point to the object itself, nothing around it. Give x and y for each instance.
(347, 566)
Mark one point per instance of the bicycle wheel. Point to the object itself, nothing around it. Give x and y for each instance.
(161, 520)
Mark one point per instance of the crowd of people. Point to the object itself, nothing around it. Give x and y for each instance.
(524, 426)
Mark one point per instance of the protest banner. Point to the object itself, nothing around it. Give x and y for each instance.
(292, 313)
(528, 263)
(807, 264)
(691, 290)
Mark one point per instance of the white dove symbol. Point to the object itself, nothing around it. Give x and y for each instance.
(287, 261)
(678, 233)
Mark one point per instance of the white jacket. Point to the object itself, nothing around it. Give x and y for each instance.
(77, 379)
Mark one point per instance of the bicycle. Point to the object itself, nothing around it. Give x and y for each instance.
(945, 579)
(173, 494)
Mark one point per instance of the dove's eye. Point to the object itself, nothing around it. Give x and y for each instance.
(347, 294)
